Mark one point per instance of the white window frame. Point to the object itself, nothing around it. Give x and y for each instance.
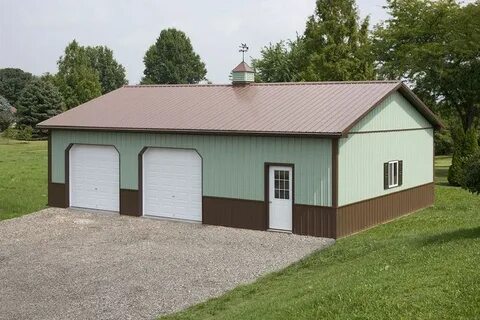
(393, 174)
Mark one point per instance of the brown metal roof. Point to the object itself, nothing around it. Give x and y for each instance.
(243, 67)
(323, 108)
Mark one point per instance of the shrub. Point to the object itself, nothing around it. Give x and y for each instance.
(466, 145)
(10, 133)
(472, 174)
(25, 133)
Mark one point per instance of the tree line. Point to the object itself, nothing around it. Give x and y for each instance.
(433, 45)
(84, 73)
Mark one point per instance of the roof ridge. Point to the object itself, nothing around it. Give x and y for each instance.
(175, 85)
(263, 84)
(325, 82)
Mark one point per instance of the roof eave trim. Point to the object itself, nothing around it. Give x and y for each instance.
(199, 132)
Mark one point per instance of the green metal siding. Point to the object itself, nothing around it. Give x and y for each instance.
(233, 166)
(361, 158)
(394, 113)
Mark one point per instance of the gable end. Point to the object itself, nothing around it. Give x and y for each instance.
(400, 109)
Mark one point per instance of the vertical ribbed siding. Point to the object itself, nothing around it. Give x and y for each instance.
(394, 113)
(362, 156)
(314, 221)
(233, 166)
(365, 214)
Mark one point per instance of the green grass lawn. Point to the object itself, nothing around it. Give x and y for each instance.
(423, 266)
(23, 177)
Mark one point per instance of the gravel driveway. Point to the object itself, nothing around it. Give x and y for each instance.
(68, 264)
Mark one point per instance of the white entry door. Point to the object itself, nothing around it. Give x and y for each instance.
(94, 177)
(172, 183)
(280, 202)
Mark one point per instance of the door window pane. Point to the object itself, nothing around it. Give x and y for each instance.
(282, 184)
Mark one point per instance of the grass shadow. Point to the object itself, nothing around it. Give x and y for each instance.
(460, 234)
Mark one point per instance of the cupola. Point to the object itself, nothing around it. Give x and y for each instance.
(243, 74)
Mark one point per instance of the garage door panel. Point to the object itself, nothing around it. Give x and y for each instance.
(172, 183)
(94, 177)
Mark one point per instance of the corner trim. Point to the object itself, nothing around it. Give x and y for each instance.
(335, 151)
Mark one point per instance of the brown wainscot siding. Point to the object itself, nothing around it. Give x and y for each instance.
(238, 213)
(368, 213)
(314, 221)
(130, 202)
(57, 195)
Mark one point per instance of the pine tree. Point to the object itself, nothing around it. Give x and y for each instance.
(39, 101)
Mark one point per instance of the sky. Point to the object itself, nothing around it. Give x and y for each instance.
(34, 33)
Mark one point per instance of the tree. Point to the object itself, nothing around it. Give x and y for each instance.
(39, 101)
(77, 80)
(335, 46)
(435, 44)
(6, 114)
(111, 73)
(472, 175)
(466, 146)
(12, 82)
(280, 62)
(172, 60)
(337, 43)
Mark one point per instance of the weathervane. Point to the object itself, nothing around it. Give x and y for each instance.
(243, 48)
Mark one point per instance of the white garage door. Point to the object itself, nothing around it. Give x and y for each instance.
(172, 183)
(94, 177)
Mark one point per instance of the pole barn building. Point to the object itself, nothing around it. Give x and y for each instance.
(323, 159)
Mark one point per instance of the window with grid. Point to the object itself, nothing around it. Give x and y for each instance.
(282, 184)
